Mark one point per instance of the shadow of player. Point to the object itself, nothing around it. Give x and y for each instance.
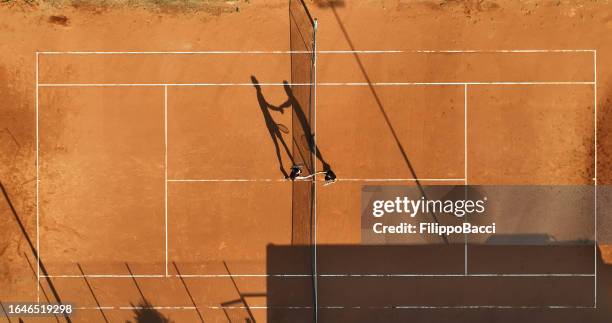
(273, 128)
(304, 124)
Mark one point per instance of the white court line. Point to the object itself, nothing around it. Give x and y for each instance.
(399, 179)
(230, 180)
(457, 83)
(320, 275)
(320, 84)
(166, 175)
(595, 171)
(465, 173)
(108, 276)
(322, 180)
(391, 51)
(37, 194)
(454, 275)
(229, 52)
(494, 307)
(459, 51)
(96, 308)
(395, 307)
(314, 171)
(183, 276)
(163, 84)
(465, 126)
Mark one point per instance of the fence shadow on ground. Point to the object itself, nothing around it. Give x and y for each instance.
(405, 283)
(43, 269)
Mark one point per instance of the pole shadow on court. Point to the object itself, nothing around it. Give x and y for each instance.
(43, 268)
(381, 107)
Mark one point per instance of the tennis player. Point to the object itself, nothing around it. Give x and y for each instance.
(296, 171)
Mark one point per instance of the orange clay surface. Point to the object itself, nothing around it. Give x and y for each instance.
(105, 152)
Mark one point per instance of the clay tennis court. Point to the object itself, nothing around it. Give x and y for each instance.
(140, 163)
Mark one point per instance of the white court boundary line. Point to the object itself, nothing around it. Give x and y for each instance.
(37, 192)
(389, 51)
(319, 180)
(166, 177)
(320, 275)
(465, 84)
(320, 84)
(595, 170)
(465, 173)
(395, 307)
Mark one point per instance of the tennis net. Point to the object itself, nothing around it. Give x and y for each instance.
(302, 44)
(302, 40)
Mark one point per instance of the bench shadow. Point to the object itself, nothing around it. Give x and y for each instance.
(144, 312)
